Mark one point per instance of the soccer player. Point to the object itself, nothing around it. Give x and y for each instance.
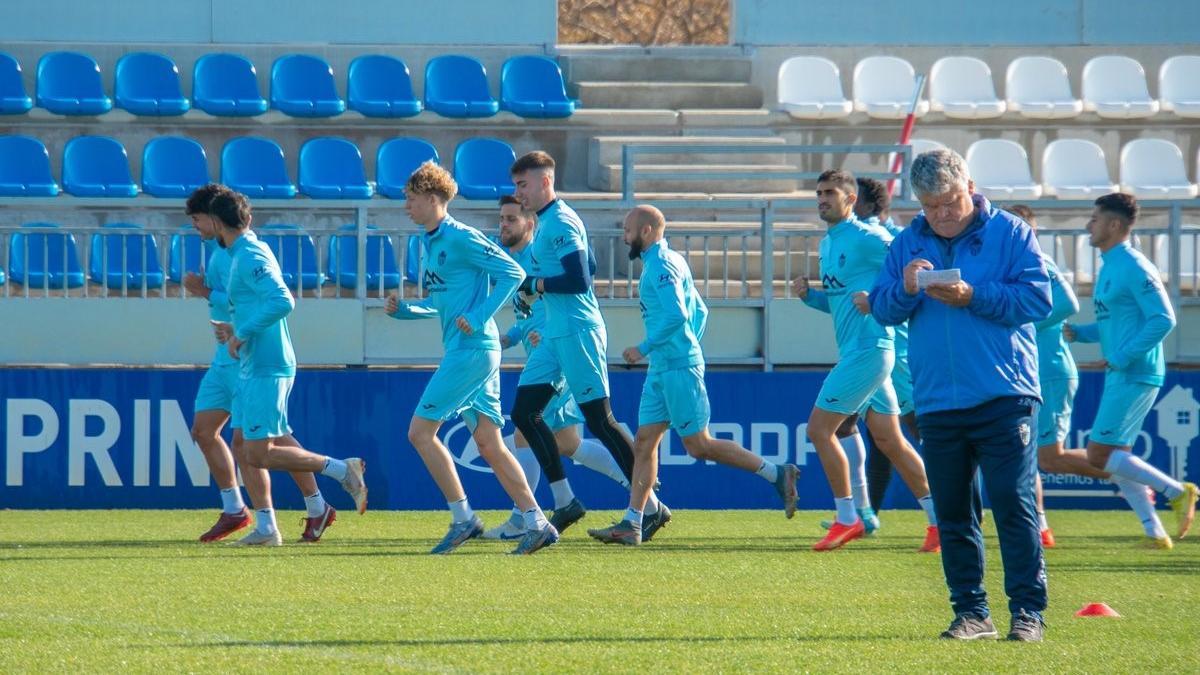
(467, 382)
(674, 396)
(851, 256)
(259, 339)
(1133, 315)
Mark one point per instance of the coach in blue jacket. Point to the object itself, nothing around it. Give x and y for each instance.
(973, 357)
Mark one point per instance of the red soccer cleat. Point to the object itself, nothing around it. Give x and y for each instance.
(933, 540)
(840, 535)
(226, 525)
(1047, 538)
(315, 527)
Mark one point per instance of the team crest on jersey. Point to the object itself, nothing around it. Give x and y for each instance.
(842, 260)
(441, 258)
(975, 246)
(1024, 431)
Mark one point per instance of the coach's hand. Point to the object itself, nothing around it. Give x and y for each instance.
(194, 284)
(957, 294)
(800, 287)
(233, 344)
(632, 355)
(861, 303)
(910, 274)
(464, 325)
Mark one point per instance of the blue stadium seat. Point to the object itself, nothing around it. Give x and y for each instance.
(25, 168)
(381, 259)
(227, 85)
(412, 259)
(254, 166)
(68, 83)
(381, 86)
(97, 166)
(187, 254)
(456, 86)
(173, 166)
(481, 168)
(532, 86)
(296, 253)
(124, 260)
(13, 99)
(302, 86)
(396, 161)
(48, 260)
(148, 84)
(332, 168)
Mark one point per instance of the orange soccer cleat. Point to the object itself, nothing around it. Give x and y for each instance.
(933, 541)
(840, 535)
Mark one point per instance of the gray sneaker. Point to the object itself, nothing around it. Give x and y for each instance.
(355, 483)
(536, 540)
(623, 532)
(458, 534)
(654, 522)
(785, 485)
(1026, 627)
(970, 627)
(567, 516)
(256, 538)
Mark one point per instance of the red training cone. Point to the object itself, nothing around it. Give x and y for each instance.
(1097, 609)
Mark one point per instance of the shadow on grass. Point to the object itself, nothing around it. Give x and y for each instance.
(541, 640)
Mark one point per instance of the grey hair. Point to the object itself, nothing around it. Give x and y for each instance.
(937, 172)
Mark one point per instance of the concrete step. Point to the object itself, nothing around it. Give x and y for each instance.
(640, 67)
(758, 178)
(668, 95)
(607, 149)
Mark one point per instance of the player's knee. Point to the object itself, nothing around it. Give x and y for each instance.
(201, 435)
(417, 436)
(698, 447)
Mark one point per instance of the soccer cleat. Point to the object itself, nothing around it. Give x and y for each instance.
(315, 527)
(1184, 506)
(933, 540)
(785, 485)
(567, 516)
(840, 535)
(623, 532)
(257, 538)
(970, 627)
(513, 528)
(1164, 542)
(1047, 538)
(1026, 627)
(869, 518)
(226, 525)
(536, 540)
(652, 523)
(355, 483)
(458, 534)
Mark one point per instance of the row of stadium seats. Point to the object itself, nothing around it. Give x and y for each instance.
(69, 83)
(174, 166)
(810, 87)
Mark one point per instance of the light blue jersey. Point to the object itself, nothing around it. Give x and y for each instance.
(259, 304)
(900, 331)
(527, 321)
(560, 232)
(852, 253)
(1055, 361)
(216, 278)
(672, 310)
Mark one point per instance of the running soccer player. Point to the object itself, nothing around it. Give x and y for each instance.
(674, 395)
(1133, 315)
(467, 382)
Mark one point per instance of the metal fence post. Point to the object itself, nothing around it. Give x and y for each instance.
(767, 233)
(360, 243)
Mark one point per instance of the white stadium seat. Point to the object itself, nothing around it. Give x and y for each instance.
(1038, 88)
(1053, 246)
(1073, 168)
(1152, 168)
(810, 88)
(961, 87)
(884, 88)
(920, 145)
(1000, 170)
(1179, 85)
(1115, 87)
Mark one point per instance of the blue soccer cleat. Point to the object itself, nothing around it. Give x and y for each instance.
(458, 534)
(536, 540)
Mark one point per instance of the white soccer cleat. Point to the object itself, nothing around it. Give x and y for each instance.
(257, 538)
(355, 482)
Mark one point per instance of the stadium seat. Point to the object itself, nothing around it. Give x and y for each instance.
(413, 255)
(381, 259)
(173, 166)
(254, 166)
(1179, 85)
(396, 161)
(481, 168)
(296, 253)
(302, 86)
(49, 260)
(68, 83)
(381, 86)
(1052, 245)
(25, 168)
(187, 254)
(1189, 246)
(1038, 88)
(1115, 87)
(97, 166)
(13, 99)
(226, 85)
(1152, 168)
(810, 88)
(456, 86)
(921, 145)
(148, 84)
(332, 168)
(1000, 170)
(883, 88)
(1073, 168)
(532, 86)
(961, 88)
(124, 260)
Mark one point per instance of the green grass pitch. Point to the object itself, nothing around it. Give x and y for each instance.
(129, 591)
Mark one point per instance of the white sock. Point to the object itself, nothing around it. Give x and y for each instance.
(846, 515)
(562, 493)
(534, 519)
(1122, 463)
(652, 504)
(460, 511)
(334, 468)
(529, 466)
(926, 503)
(769, 472)
(633, 516)
(856, 455)
(265, 521)
(231, 500)
(1042, 524)
(315, 504)
(1142, 505)
(592, 454)
(517, 515)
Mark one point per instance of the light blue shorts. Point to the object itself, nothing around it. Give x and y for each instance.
(467, 383)
(1123, 408)
(582, 359)
(1054, 421)
(562, 411)
(260, 407)
(903, 386)
(860, 382)
(677, 396)
(218, 388)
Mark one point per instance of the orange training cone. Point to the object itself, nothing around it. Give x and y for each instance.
(1097, 609)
